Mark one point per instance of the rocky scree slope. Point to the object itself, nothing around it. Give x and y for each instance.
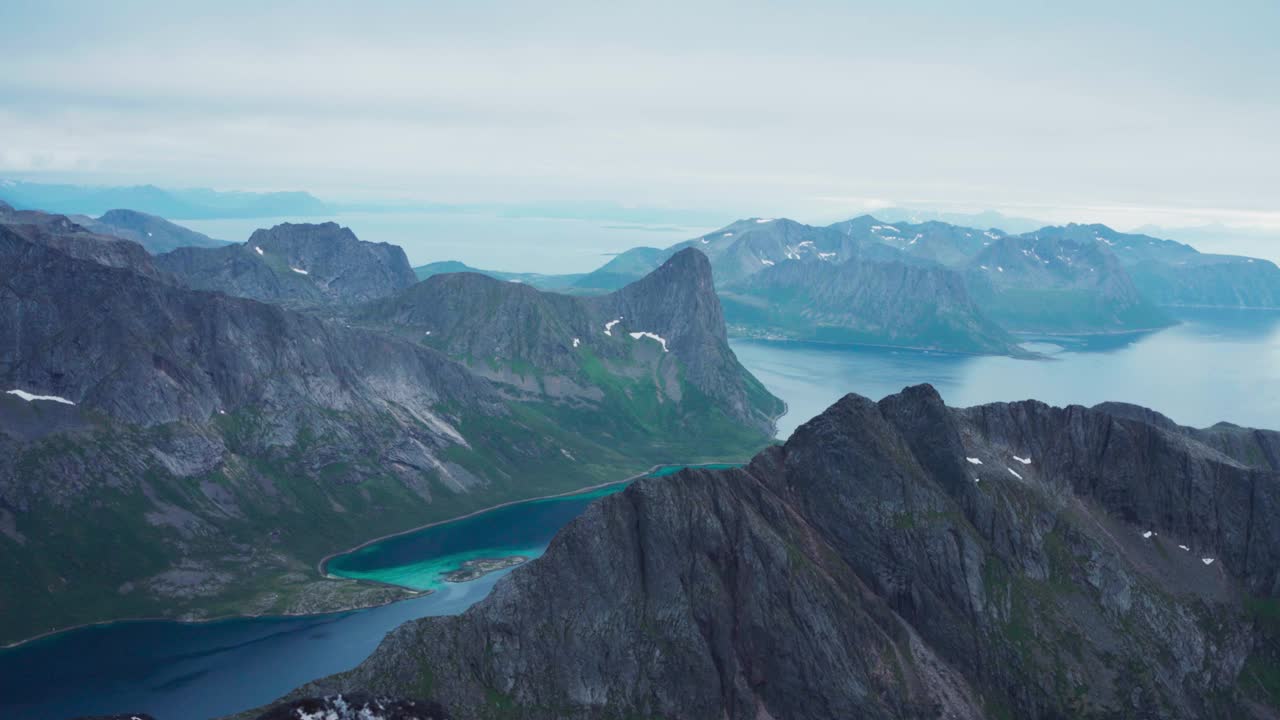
(898, 559)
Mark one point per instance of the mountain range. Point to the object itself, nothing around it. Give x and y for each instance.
(936, 285)
(894, 559)
(173, 445)
(177, 204)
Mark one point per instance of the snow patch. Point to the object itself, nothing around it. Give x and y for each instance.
(1024, 461)
(1207, 561)
(974, 461)
(763, 220)
(651, 336)
(300, 271)
(1014, 473)
(608, 327)
(258, 250)
(576, 342)
(766, 262)
(30, 397)
(1184, 548)
(1147, 535)
(826, 256)
(1001, 269)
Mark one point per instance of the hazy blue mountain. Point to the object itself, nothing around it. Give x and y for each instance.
(1173, 273)
(561, 283)
(896, 560)
(1051, 284)
(1010, 225)
(185, 204)
(200, 452)
(860, 301)
(155, 234)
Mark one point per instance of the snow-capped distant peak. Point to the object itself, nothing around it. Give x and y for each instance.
(763, 220)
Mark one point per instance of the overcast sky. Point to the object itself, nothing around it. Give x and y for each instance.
(1155, 111)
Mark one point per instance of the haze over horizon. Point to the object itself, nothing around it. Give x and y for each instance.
(1163, 115)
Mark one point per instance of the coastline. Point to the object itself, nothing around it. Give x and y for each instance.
(320, 566)
(410, 593)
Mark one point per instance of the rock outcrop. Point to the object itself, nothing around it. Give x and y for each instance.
(898, 559)
(300, 265)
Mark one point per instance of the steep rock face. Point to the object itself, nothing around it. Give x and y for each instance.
(155, 234)
(60, 233)
(178, 452)
(296, 264)
(893, 559)
(65, 327)
(1048, 284)
(666, 326)
(888, 303)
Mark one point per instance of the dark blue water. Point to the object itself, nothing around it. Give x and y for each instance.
(177, 671)
(1215, 365)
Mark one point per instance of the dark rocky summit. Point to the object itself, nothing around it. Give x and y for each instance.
(61, 234)
(211, 449)
(898, 559)
(300, 265)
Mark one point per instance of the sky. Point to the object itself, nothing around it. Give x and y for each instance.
(1123, 112)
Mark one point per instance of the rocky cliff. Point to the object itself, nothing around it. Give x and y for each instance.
(300, 265)
(661, 337)
(177, 452)
(898, 559)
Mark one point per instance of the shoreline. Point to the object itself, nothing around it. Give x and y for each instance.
(320, 566)
(219, 618)
(323, 576)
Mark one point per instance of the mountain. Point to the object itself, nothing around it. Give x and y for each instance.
(1050, 284)
(59, 232)
(894, 302)
(174, 452)
(193, 204)
(664, 332)
(986, 219)
(155, 234)
(898, 559)
(1174, 273)
(542, 282)
(296, 264)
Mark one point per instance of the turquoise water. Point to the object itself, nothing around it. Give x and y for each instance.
(1215, 365)
(180, 671)
(420, 559)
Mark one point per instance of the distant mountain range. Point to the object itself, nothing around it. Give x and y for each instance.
(936, 285)
(172, 445)
(154, 233)
(191, 204)
(894, 559)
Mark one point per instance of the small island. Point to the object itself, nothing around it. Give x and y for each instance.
(478, 568)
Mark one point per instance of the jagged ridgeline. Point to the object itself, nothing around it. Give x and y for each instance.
(898, 559)
(196, 453)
